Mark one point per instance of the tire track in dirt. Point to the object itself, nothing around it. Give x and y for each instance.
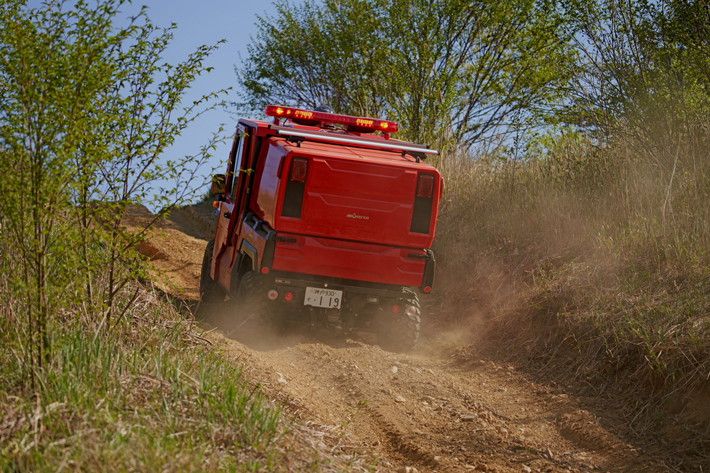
(426, 410)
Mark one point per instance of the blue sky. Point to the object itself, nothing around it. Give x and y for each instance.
(206, 22)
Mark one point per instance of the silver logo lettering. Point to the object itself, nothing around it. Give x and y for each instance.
(359, 217)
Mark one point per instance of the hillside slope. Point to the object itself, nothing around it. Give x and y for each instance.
(439, 409)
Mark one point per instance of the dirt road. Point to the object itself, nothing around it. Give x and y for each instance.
(434, 410)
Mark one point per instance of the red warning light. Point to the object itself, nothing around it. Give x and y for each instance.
(352, 124)
(364, 122)
(303, 114)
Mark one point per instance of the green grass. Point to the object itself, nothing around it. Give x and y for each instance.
(150, 394)
(147, 395)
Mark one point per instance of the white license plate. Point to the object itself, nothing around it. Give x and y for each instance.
(327, 298)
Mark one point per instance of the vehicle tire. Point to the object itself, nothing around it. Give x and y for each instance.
(253, 305)
(400, 333)
(210, 291)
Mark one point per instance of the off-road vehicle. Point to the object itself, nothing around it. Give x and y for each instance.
(322, 221)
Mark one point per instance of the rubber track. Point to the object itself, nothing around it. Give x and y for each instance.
(252, 303)
(403, 333)
(210, 291)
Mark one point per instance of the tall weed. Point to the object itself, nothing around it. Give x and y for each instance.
(149, 395)
(599, 249)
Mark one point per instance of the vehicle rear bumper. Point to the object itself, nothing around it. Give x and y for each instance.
(356, 296)
(356, 261)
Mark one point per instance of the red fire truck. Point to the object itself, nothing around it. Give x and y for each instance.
(322, 221)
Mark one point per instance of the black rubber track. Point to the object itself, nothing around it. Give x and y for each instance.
(210, 290)
(400, 333)
(253, 305)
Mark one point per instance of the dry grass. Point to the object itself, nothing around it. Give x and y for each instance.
(150, 394)
(592, 261)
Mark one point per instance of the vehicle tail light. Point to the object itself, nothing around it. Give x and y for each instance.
(273, 295)
(299, 167)
(425, 186)
(395, 308)
(427, 289)
(288, 296)
(295, 188)
(423, 204)
(265, 270)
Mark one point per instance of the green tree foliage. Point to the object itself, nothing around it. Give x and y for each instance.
(643, 72)
(642, 83)
(87, 108)
(451, 72)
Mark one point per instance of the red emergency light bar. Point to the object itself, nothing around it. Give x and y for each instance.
(311, 118)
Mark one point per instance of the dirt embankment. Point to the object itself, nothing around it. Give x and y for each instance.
(438, 409)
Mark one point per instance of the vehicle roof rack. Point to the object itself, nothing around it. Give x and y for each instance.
(290, 133)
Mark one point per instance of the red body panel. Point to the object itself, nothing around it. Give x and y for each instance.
(356, 213)
(267, 189)
(250, 236)
(350, 260)
(350, 193)
(226, 253)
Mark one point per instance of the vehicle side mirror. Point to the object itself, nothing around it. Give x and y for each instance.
(218, 184)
